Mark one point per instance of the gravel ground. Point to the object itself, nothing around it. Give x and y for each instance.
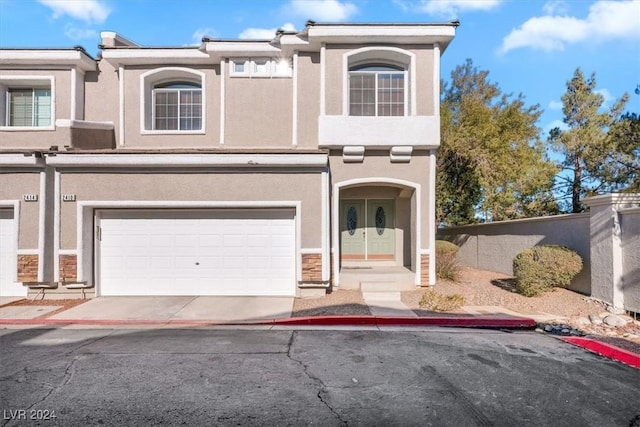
(337, 303)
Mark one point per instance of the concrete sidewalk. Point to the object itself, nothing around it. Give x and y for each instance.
(386, 310)
(181, 308)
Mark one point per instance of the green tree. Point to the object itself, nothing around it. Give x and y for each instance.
(620, 168)
(586, 144)
(491, 163)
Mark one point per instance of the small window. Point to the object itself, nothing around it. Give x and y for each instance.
(261, 67)
(377, 90)
(177, 106)
(28, 107)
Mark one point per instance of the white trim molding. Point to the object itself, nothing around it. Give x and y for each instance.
(84, 124)
(324, 225)
(21, 160)
(323, 78)
(188, 160)
(121, 101)
(294, 102)
(432, 216)
(42, 221)
(223, 84)
(56, 223)
(335, 220)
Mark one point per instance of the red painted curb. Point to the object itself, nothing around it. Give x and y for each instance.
(606, 350)
(444, 321)
(454, 322)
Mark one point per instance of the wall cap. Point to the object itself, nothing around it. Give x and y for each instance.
(612, 199)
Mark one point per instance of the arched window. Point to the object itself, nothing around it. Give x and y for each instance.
(377, 90)
(379, 81)
(173, 100)
(177, 106)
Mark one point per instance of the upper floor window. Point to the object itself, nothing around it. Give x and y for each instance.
(377, 90)
(28, 107)
(261, 67)
(177, 106)
(173, 100)
(379, 81)
(27, 102)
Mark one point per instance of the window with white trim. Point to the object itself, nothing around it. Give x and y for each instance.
(377, 90)
(173, 100)
(177, 106)
(28, 107)
(261, 67)
(27, 102)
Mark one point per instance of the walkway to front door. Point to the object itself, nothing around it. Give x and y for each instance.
(367, 229)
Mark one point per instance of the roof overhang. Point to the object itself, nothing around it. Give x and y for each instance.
(71, 58)
(155, 56)
(383, 33)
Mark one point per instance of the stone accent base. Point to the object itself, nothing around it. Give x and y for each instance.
(311, 267)
(68, 268)
(27, 268)
(424, 270)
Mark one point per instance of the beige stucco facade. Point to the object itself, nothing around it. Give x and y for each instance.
(269, 139)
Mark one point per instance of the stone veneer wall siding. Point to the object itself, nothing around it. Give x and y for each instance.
(27, 268)
(311, 267)
(424, 270)
(68, 268)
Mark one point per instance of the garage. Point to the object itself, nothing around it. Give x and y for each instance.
(8, 285)
(196, 252)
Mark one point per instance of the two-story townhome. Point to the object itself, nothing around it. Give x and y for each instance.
(269, 167)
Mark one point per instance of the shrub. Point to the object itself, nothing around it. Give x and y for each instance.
(541, 268)
(442, 247)
(439, 302)
(447, 266)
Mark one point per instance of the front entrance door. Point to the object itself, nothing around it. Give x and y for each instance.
(367, 229)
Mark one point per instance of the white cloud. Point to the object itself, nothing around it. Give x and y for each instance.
(451, 8)
(606, 20)
(606, 95)
(322, 10)
(555, 105)
(75, 33)
(556, 7)
(264, 33)
(554, 124)
(202, 32)
(89, 11)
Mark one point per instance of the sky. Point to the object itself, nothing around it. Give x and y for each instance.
(528, 46)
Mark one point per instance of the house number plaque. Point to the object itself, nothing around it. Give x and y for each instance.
(68, 197)
(30, 197)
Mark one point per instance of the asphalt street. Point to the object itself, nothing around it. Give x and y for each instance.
(296, 377)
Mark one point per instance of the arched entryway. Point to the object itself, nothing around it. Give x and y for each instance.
(376, 226)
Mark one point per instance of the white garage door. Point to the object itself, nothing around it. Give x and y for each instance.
(224, 252)
(8, 285)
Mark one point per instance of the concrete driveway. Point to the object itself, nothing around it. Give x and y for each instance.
(183, 308)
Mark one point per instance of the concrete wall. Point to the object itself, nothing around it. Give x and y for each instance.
(493, 246)
(607, 238)
(630, 226)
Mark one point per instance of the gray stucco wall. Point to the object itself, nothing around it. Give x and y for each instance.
(493, 246)
(630, 226)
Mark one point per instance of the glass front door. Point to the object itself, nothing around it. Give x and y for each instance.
(367, 229)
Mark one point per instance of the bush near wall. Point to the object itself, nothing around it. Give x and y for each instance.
(541, 268)
(447, 266)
